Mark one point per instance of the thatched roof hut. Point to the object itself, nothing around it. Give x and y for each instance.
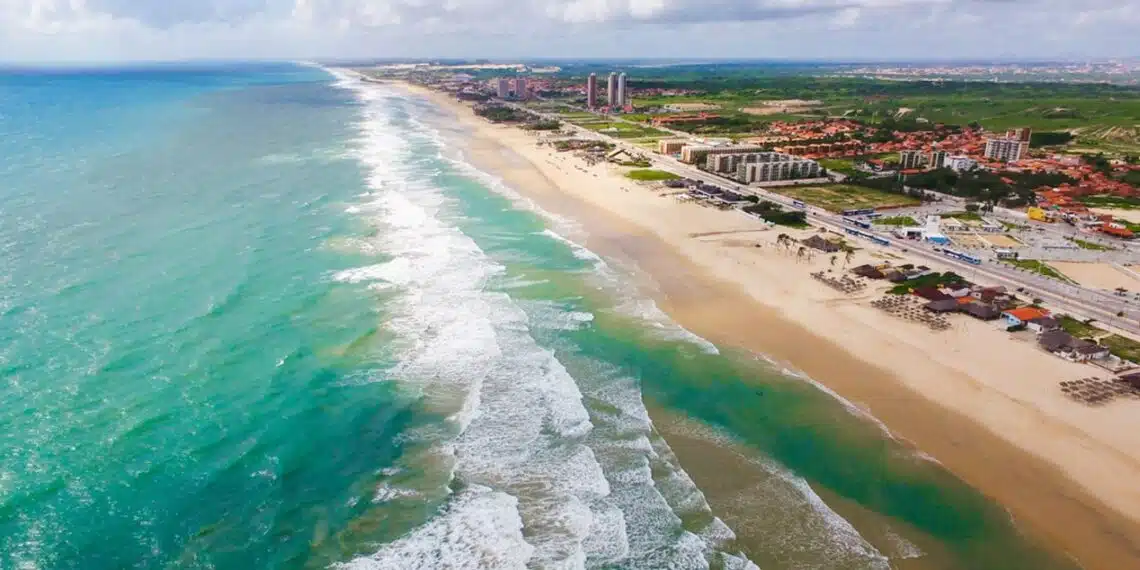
(943, 306)
(931, 294)
(818, 243)
(1132, 379)
(980, 311)
(1055, 341)
(867, 271)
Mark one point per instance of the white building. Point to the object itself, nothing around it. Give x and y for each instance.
(960, 163)
(611, 90)
(1006, 149)
(909, 159)
(622, 91)
(696, 154)
(937, 159)
(763, 166)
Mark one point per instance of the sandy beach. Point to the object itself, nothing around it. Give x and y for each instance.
(983, 403)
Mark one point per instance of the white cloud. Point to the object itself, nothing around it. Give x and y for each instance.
(166, 29)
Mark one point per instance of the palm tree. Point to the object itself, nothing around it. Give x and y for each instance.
(834, 258)
(800, 253)
(847, 258)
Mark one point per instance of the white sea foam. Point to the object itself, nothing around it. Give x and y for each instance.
(385, 492)
(636, 306)
(903, 548)
(517, 413)
(584, 493)
(478, 530)
(579, 251)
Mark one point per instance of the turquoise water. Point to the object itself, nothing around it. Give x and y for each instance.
(267, 318)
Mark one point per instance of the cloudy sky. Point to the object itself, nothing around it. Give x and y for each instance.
(118, 30)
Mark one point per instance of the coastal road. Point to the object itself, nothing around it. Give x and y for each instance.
(1073, 299)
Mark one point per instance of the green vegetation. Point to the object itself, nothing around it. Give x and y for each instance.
(1079, 329)
(930, 280)
(964, 216)
(901, 221)
(1049, 138)
(637, 117)
(648, 175)
(1131, 177)
(576, 115)
(1099, 116)
(543, 126)
(1039, 267)
(839, 197)
(1117, 202)
(844, 166)
(1090, 245)
(1122, 347)
(774, 213)
(988, 187)
(642, 163)
(500, 114)
(621, 130)
(723, 125)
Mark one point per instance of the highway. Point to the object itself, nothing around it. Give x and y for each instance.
(1063, 297)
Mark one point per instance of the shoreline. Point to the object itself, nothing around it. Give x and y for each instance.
(1040, 455)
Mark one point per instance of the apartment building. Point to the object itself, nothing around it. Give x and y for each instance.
(909, 159)
(697, 154)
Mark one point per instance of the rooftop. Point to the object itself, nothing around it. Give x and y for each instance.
(1026, 314)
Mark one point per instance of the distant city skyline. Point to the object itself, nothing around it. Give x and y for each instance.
(849, 30)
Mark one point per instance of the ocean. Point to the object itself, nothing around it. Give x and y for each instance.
(269, 316)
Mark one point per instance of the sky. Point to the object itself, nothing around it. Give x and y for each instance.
(108, 31)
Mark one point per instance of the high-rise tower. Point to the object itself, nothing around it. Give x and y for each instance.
(592, 91)
(611, 90)
(622, 93)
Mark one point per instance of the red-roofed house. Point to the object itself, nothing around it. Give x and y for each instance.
(1017, 317)
(1117, 231)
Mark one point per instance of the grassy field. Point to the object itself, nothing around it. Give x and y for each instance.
(1090, 245)
(1102, 117)
(964, 216)
(650, 175)
(903, 221)
(1118, 202)
(840, 165)
(1123, 347)
(839, 197)
(623, 130)
(1040, 268)
(573, 116)
(1079, 329)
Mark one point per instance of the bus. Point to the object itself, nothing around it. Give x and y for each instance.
(859, 223)
(799, 204)
(962, 256)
